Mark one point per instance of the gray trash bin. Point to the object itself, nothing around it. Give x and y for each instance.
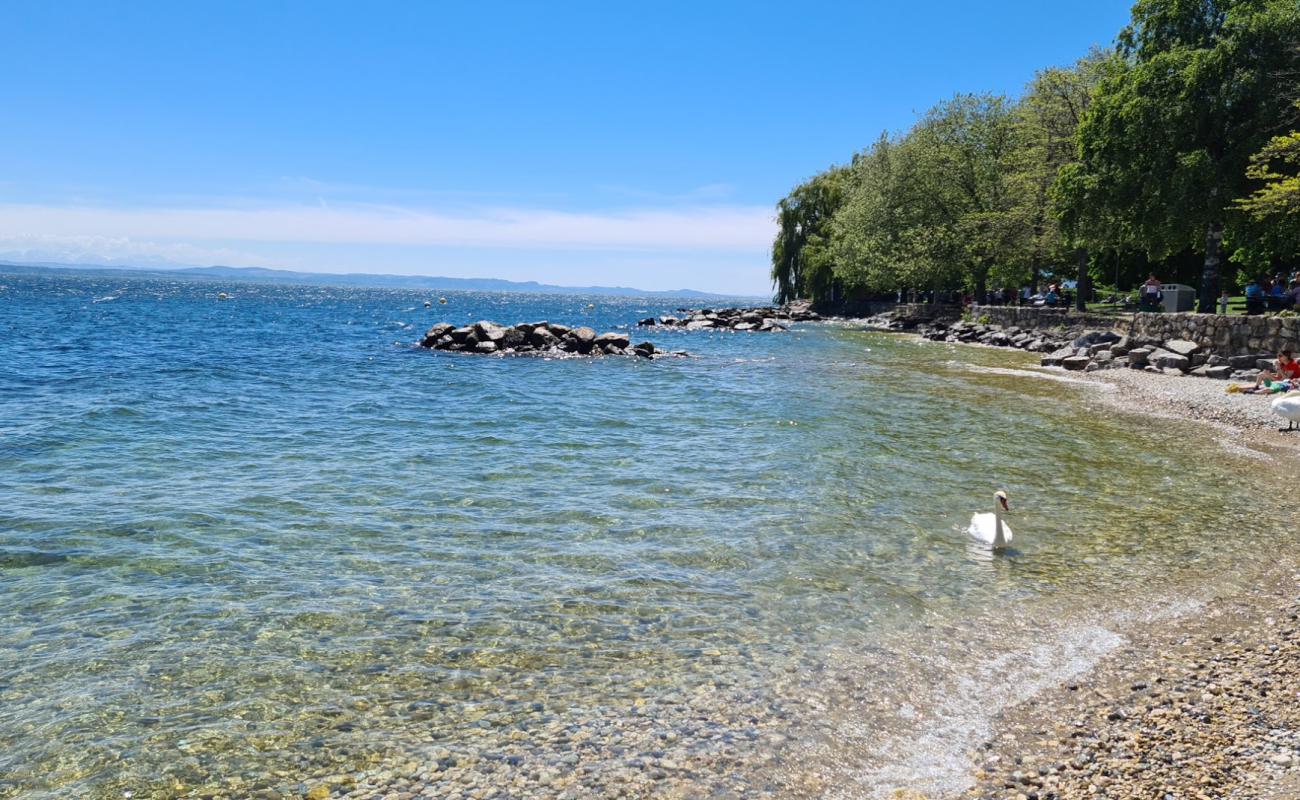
(1177, 297)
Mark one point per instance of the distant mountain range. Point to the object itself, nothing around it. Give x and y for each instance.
(262, 275)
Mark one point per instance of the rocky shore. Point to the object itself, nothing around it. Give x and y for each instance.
(763, 319)
(1086, 350)
(544, 338)
(1205, 708)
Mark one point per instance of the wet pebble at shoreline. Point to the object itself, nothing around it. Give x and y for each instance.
(1196, 398)
(1206, 709)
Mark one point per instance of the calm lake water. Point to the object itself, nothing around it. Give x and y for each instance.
(247, 545)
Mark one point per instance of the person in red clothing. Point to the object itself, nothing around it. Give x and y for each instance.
(1287, 369)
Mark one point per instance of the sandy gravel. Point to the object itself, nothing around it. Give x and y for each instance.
(1206, 709)
(1199, 398)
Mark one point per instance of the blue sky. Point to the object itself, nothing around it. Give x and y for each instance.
(574, 143)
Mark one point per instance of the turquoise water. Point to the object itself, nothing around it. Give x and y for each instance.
(249, 545)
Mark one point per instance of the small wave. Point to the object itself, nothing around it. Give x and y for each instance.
(1018, 373)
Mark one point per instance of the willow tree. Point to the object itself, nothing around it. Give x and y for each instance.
(1164, 148)
(801, 265)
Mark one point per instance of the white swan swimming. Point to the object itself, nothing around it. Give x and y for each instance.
(1288, 408)
(989, 528)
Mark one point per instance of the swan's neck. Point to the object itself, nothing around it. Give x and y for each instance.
(999, 533)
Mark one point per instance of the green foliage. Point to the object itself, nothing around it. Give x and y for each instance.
(1150, 157)
(1164, 148)
(1272, 226)
(801, 264)
(937, 207)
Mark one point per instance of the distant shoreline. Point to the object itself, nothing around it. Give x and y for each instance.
(262, 276)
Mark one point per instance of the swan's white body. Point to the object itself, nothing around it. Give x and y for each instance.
(989, 528)
(1288, 407)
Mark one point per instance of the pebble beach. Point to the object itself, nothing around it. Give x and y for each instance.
(1204, 708)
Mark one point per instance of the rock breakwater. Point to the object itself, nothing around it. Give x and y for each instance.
(1083, 350)
(541, 338)
(763, 319)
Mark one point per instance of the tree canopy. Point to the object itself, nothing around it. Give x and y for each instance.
(1174, 142)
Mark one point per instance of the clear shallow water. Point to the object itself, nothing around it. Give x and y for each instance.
(245, 545)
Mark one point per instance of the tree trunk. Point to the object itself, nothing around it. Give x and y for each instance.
(1210, 275)
(1083, 287)
(981, 285)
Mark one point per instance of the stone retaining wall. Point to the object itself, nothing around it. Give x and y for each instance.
(1225, 335)
(1045, 319)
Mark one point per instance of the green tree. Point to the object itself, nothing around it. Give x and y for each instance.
(1047, 120)
(1163, 149)
(1273, 209)
(881, 237)
(801, 265)
(935, 208)
(965, 167)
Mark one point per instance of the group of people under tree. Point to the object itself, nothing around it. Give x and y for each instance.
(1278, 293)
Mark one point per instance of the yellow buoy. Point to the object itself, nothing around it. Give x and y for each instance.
(442, 301)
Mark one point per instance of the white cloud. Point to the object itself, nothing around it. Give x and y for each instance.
(737, 229)
(81, 249)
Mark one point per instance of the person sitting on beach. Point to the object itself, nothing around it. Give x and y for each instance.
(1269, 387)
(1288, 369)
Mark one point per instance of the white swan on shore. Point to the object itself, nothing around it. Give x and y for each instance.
(989, 528)
(1288, 408)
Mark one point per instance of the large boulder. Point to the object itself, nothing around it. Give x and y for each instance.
(435, 333)
(644, 349)
(647, 322)
(459, 335)
(486, 346)
(1182, 347)
(514, 339)
(543, 339)
(489, 331)
(1138, 357)
(699, 324)
(1089, 338)
(1167, 360)
(613, 339)
(1245, 362)
(1076, 363)
(584, 338)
